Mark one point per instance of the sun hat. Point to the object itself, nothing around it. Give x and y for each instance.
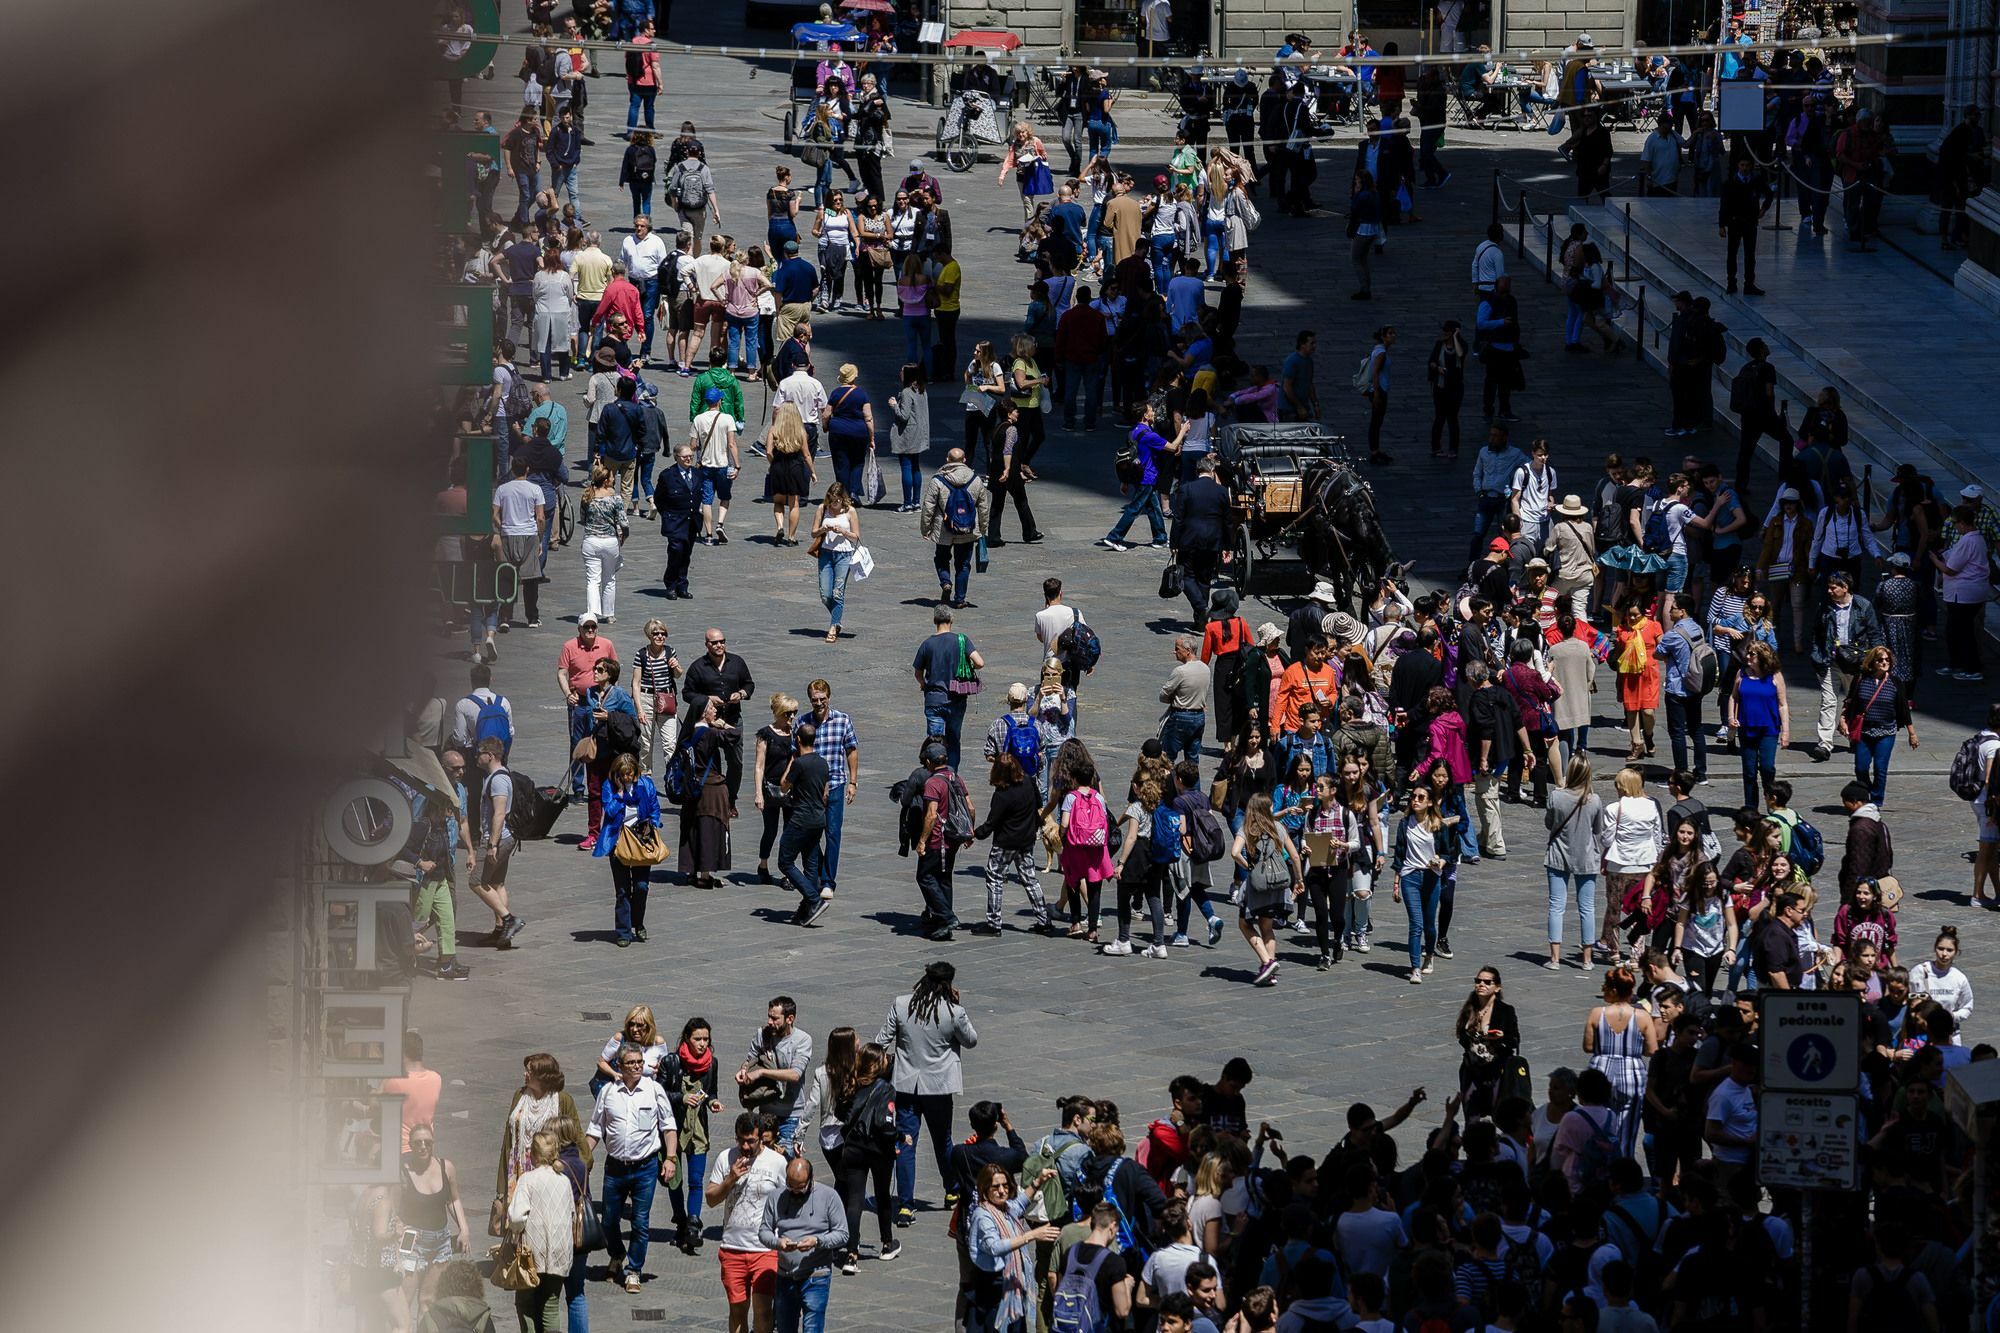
(1572, 506)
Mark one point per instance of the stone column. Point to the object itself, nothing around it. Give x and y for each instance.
(1979, 276)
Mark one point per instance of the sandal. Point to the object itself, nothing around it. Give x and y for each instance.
(833, 635)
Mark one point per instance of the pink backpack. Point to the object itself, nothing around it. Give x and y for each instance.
(1087, 824)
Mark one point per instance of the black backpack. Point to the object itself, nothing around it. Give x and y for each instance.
(870, 1122)
(1744, 389)
(1610, 521)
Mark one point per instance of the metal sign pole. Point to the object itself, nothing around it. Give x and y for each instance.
(1806, 1258)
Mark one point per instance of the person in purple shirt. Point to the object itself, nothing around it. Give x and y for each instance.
(1147, 446)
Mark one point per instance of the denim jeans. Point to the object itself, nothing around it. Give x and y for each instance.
(801, 1302)
(642, 199)
(1873, 752)
(1143, 500)
(642, 482)
(796, 843)
(635, 1181)
(918, 1114)
(528, 183)
(631, 884)
(1683, 718)
(1102, 134)
(913, 477)
(1586, 905)
(954, 568)
(578, 1311)
(1486, 512)
(917, 339)
(1162, 250)
(836, 817)
(641, 97)
(1089, 376)
(833, 566)
(565, 185)
(649, 301)
(934, 884)
(743, 341)
(1180, 734)
(1759, 749)
(1420, 900)
(687, 1202)
(944, 716)
(1217, 241)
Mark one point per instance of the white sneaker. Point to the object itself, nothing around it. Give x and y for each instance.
(1429, 966)
(1416, 977)
(1154, 951)
(1117, 949)
(1362, 944)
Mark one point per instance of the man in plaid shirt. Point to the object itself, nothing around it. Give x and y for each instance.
(835, 742)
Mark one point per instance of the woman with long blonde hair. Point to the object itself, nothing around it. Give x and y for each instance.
(791, 475)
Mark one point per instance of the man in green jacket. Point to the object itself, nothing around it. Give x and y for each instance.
(717, 376)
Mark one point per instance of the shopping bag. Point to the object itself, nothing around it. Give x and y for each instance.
(864, 562)
(872, 487)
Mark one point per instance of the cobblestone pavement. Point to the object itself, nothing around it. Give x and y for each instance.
(1053, 1017)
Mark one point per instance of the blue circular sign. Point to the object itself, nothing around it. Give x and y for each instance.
(1811, 1058)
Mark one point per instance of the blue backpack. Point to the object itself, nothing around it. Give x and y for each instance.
(960, 513)
(1808, 847)
(1657, 539)
(1166, 836)
(1076, 1308)
(679, 783)
(1024, 742)
(492, 722)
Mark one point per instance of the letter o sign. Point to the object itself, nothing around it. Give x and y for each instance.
(366, 822)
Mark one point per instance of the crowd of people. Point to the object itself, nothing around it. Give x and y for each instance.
(1299, 769)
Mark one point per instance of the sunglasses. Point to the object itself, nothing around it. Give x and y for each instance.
(717, 643)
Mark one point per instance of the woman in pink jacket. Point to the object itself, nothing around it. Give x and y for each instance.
(1446, 737)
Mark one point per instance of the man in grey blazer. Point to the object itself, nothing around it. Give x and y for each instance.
(925, 1031)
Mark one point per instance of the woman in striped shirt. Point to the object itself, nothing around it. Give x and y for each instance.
(655, 677)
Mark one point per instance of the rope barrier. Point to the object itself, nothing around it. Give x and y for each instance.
(1027, 55)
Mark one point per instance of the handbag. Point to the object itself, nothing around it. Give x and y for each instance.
(964, 679)
(1170, 582)
(665, 703)
(639, 845)
(864, 562)
(872, 486)
(975, 400)
(878, 256)
(589, 1227)
(514, 1268)
(585, 750)
(496, 1217)
(1855, 723)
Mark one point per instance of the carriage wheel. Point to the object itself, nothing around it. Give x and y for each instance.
(1242, 560)
(960, 154)
(791, 125)
(565, 516)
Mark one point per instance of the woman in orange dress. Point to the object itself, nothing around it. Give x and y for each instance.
(1634, 657)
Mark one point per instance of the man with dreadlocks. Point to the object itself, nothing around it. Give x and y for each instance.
(925, 1030)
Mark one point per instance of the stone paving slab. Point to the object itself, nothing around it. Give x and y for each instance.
(1053, 1017)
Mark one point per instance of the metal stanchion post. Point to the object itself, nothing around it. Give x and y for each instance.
(1639, 327)
(1778, 222)
(1521, 226)
(1549, 249)
(1496, 194)
(1628, 243)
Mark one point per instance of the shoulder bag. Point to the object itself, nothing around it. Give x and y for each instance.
(1860, 718)
(639, 845)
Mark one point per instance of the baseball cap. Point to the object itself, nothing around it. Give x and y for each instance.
(918, 164)
(587, 618)
(933, 752)
(791, 247)
(1159, 180)
(712, 396)
(1899, 560)
(1789, 493)
(1240, 77)
(1497, 544)
(1972, 493)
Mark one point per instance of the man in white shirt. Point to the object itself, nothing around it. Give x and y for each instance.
(713, 435)
(634, 1120)
(1054, 617)
(808, 395)
(1531, 490)
(740, 1183)
(709, 272)
(1156, 18)
(643, 253)
(1489, 261)
(1661, 158)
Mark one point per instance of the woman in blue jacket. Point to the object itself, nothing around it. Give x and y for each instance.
(630, 801)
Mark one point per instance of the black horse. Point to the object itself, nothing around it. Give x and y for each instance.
(1341, 539)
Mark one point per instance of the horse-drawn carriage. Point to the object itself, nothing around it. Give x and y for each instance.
(1299, 511)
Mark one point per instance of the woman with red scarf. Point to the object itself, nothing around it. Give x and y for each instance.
(688, 1075)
